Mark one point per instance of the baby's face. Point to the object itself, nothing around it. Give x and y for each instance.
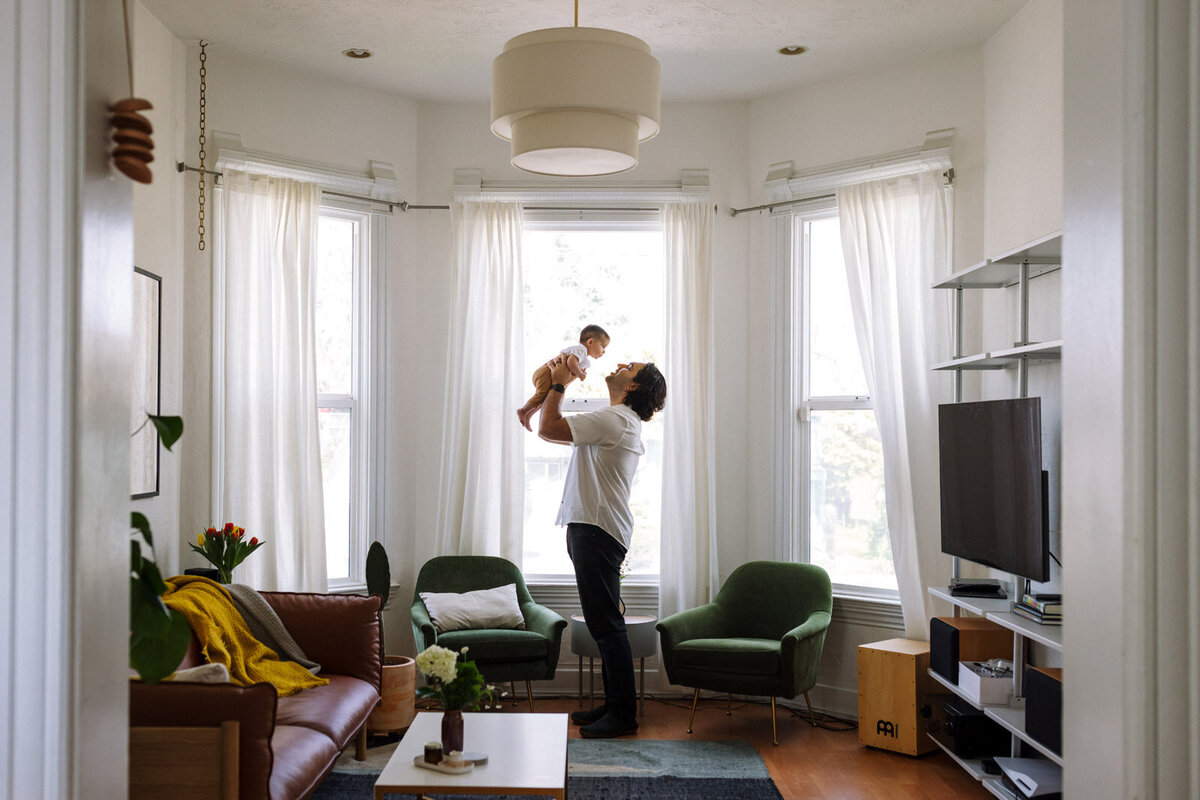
(596, 347)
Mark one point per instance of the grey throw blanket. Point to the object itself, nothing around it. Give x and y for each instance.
(266, 626)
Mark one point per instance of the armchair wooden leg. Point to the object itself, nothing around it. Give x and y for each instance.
(812, 717)
(529, 692)
(692, 718)
(360, 744)
(729, 708)
(774, 735)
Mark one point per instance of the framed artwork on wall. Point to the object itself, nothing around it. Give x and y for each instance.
(147, 363)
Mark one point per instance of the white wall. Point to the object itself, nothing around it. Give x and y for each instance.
(158, 247)
(1023, 90)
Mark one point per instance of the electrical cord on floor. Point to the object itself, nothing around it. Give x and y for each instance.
(824, 721)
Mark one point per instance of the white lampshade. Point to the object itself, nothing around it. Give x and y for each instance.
(575, 101)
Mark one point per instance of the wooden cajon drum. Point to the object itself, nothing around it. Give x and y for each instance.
(893, 676)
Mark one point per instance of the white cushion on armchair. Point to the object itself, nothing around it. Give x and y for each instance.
(485, 608)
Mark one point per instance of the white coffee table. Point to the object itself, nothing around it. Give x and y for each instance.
(527, 754)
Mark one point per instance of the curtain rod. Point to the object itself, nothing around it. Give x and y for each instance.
(403, 205)
(733, 212)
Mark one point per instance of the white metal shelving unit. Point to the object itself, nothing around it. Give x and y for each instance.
(1014, 268)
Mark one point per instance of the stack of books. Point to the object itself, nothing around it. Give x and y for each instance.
(1044, 609)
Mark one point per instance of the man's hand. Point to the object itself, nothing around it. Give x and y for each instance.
(560, 370)
(551, 425)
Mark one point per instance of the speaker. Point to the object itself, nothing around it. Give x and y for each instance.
(955, 639)
(1043, 706)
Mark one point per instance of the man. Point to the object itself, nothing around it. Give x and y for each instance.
(595, 509)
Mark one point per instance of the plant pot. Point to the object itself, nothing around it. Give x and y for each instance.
(398, 707)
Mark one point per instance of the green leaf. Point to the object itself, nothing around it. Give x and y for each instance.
(379, 573)
(155, 656)
(169, 428)
(138, 521)
(150, 578)
(135, 557)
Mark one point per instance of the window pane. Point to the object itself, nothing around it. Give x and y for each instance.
(611, 278)
(614, 279)
(334, 305)
(848, 517)
(835, 366)
(335, 435)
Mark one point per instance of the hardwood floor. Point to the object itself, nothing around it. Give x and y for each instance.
(809, 763)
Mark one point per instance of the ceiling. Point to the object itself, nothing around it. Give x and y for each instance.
(709, 49)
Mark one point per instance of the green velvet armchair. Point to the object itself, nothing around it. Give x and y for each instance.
(501, 655)
(761, 635)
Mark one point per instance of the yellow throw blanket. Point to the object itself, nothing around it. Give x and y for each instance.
(225, 638)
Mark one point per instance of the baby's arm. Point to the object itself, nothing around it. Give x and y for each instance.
(573, 365)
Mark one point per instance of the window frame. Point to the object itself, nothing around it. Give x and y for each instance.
(366, 383)
(794, 271)
(591, 217)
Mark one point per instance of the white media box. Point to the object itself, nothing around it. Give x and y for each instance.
(979, 683)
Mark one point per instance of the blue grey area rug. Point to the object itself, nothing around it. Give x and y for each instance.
(626, 769)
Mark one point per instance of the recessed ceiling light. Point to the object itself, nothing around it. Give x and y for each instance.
(357, 52)
(793, 50)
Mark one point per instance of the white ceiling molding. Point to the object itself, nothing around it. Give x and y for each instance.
(785, 183)
(692, 184)
(378, 182)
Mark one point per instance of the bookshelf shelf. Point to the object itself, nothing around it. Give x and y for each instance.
(954, 688)
(1049, 635)
(1015, 268)
(973, 766)
(980, 606)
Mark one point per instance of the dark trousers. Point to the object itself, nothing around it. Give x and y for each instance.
(597, 558)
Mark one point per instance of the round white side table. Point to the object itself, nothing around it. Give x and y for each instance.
(643, 641)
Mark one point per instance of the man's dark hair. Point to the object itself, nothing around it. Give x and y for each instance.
(593, 332)
(650, 393)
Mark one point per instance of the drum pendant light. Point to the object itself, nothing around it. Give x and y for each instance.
(575, 101)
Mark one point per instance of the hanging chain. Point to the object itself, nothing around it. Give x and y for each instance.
(203, 138)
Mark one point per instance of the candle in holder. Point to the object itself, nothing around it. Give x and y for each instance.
(433, 752)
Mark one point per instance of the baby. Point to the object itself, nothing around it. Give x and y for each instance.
(593, 340)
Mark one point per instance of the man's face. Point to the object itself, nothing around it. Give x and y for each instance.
(624, 375)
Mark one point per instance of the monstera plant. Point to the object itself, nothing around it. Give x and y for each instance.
(158, 637)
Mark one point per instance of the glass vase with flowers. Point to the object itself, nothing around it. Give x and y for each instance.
(458, 686)
(225, 548)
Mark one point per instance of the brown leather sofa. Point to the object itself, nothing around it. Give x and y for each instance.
(285, 745)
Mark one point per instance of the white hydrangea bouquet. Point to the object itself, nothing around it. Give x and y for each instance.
(456, 684)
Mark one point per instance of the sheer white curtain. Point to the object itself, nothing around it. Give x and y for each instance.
(480, 507)
(265, 394)
(688, 564)
(894, 236)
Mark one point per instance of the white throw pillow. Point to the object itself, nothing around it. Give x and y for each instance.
(485, 608)
(205, 673)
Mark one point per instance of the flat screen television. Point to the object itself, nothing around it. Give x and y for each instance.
(994, 491)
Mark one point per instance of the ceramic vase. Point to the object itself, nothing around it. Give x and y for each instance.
(452, 730)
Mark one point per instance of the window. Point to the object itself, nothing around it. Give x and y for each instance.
(341, 301)
(841, 514)
(610, 273)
